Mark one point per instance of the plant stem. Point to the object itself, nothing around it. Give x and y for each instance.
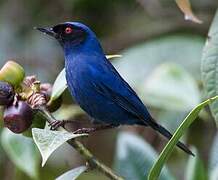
(79, 147)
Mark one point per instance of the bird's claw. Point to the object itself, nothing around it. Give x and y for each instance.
(93, 129)
(56, 124)
(84, 131)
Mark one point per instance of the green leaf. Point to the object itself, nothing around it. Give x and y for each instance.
(60, 83)
(72, 174)
(156, 169)
(163, 85)
(113, 56)
(213, 159)
(48, 141)
(134, 158)
(59, 86)
(38, 121)
(22, 152)
(195, 169)
(170, 119)
(214, 174)
(184, 50)
(209, 66)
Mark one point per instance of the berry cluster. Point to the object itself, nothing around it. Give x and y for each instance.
(20, 96)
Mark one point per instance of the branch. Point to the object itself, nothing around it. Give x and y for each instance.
(79, 147)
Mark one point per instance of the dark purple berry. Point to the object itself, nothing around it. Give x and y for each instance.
(18, 118)
(6, 94)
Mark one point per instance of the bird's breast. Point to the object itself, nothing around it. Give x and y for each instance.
(81, 87)
(79, 80)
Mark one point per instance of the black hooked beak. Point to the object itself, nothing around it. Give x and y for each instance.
(48, 31)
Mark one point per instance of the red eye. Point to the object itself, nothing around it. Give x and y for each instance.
(68, 30)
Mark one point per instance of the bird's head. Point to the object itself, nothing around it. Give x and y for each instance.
(72, 33)
(75, 38)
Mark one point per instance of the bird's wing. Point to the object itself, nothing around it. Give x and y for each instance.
(116, 97)
(118, 91)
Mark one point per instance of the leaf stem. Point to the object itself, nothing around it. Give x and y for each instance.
(79, 147)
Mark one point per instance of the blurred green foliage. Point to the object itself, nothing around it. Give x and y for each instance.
(134, 158)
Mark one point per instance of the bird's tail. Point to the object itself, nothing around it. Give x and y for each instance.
(168, 135)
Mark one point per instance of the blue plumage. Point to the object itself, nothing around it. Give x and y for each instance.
(95, 84)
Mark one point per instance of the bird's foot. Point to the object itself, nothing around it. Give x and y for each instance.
(93, 129)
(84, 131)
(56, 124)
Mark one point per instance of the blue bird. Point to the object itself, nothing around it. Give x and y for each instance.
(96, 85)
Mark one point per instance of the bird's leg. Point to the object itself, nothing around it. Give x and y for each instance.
(94, 129)
(56, 124)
